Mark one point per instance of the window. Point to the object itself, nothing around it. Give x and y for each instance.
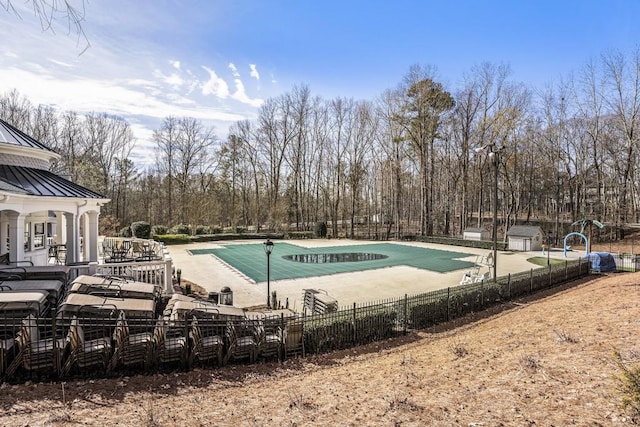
(38, 235)
(27, 237)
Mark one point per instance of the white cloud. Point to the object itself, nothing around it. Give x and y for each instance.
(174, 79)
(115, 76)
(254, 72)
(234, 70)
(241, 95)
(88, 95)
(215, 85)
(60, 63)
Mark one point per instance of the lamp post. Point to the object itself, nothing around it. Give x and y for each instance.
(268, 248)
(493, 155)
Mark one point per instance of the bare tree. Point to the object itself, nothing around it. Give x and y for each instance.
(425, 102)
(70, 13)
(623, 81)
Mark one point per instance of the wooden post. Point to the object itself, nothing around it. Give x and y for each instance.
(531, 281)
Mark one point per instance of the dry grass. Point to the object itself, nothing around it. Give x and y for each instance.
(543, 362)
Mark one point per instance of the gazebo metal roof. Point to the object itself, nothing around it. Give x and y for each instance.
(13, 136)
(39, 182)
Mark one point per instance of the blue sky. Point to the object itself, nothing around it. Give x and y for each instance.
(219, 60)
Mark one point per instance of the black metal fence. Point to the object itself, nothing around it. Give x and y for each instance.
(627, 262)
(33, 345)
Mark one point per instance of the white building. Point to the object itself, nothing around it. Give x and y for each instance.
(39, 209)
(476, 233)
(525, 238)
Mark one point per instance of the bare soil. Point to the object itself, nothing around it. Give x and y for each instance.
(544, 361)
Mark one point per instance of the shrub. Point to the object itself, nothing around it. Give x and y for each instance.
(125, 232)
(215, 230)
(233, 236)
(482, 244)
(141, 229)
(159, 230)
(629, 387)
(173, 239)
(202, 229)
(180, 229)
(300, 234)
(320, 229)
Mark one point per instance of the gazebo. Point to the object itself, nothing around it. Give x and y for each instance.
(40, 210)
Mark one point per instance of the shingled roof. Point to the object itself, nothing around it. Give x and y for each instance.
(524, 230)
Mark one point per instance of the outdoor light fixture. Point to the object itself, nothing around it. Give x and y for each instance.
(268, 248)
(493, 155)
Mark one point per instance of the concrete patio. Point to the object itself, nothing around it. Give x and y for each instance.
(348, 288)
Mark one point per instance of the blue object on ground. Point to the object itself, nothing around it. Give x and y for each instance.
(602, 261)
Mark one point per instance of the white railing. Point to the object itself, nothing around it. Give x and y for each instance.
(157, 268)
(159, 273)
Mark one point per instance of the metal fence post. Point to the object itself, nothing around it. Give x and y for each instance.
(509, 286)
(355, 336)
(448, 303)
(281, 351)
(405, 315)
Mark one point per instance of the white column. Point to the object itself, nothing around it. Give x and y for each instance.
(16, 237)
(84, 238)
(91, 236)
(4, 233)
(71, 237)
(61, 237)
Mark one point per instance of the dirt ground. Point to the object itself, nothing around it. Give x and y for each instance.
(546, 361)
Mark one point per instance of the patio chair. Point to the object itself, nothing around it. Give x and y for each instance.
(4, 260)
(242, 342)
(12, 272)
(137, 249)
(130, 349)
(7, 347)
(269, 339)
(293, 338)
(107, 247)
(85, 353)
(169, 344)
(35, 352)
(205, 347)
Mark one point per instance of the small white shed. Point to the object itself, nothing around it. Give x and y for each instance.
(476, 233)
(525, 238)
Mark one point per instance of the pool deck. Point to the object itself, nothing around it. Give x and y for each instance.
(359, 287)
